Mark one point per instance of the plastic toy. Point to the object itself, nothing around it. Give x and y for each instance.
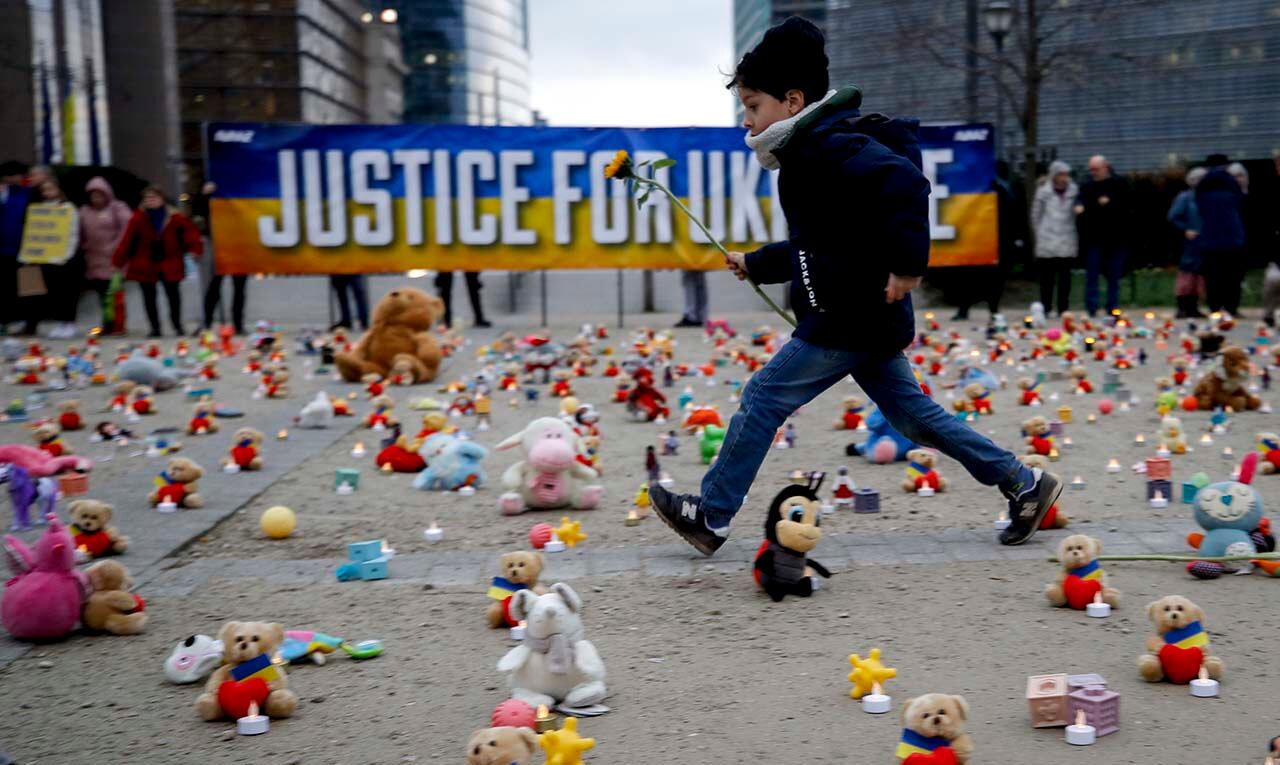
(278, 522)
(349, 477)
(710, 443)
(192, 659)
(570, 532)
(367, 561)
(307, 644)
(1100, 706)
(43, 600)
(565, 746)
(868, 672)
(25, 493)
(1047, 700)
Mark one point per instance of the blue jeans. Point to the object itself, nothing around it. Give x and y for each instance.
(797, 375)
(1108, 260)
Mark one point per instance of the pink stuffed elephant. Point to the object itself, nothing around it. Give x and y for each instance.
(40, 463)
(44, 598)
(551, 475)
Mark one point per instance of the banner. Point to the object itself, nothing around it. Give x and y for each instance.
(328, 199)
(49, 236)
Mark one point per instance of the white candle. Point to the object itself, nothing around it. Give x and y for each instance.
(1162, 451)
(252, 724)
(1077, 482)
(1227, 454)
(1082, 733)
(167, 507)
(1204, 687)
(466, 491)
(345, 489)
(876, 702)
(1139, 440)
(1097, 609)
(1002, 522)
(553, 545)
(924, 491)
(828, 508)
(1113, 466)
(517, 632)
(433, 533)
(357, 450)
(1158, 501)
(231, 467)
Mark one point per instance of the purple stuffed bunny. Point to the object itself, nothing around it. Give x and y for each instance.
(44, 598)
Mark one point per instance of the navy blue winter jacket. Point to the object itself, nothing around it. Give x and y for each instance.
(1221, 205)
(857, 206)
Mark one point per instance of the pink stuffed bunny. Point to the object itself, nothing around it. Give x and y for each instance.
(40, 463)
(44, 599)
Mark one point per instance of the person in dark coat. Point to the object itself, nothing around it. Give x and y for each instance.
(213, 288)
(14, 198)
(1220, 202)
(1105, 211)
(152, 251)
(857, 205)
(444, 285)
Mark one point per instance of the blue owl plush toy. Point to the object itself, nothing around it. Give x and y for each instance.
(1230, 512)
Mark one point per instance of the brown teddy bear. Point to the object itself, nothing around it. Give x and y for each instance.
(1082, 577)
(69, 415)
(977, 399)
(1081, 377)
(177, 484)
(91, 531)
(243, 641)
(48, 436)
(851, 414)
(381, 414)
(1181, 644)
(1039, 436)
(1056, 518)
(142, 400)
(246, 450)
(120, 401)
(935, 716)
(502, 746)
(276, 383)
(400, 332)
(921, 472)
(202, 420)
(518, 568)
(1030, 388)
(110, 606)
(1227, 383)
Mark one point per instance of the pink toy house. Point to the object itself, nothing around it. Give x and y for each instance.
(1100, 706)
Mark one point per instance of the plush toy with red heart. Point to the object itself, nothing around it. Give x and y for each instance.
(241, 681)
(933, 731)
(1082, 578)
(1180, 646)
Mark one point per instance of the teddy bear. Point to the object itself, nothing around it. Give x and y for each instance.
(400, 332)
(226, 696)
(1180, 365)
(502, 746)
(1226, 384)
(1180, 645)
(110, 606)
(979, 398)
(1030, 388)
(1056, 518)
(69, 414)
(140, 400)
(520, 571)
(1172, 436)
(246, 450)
(202, 420)
(1268, 453)
(450, 463)
(434, 421)
(1081, 377)
(177, 484)
(91, 531)
(555, 663)
(921, 471)
(1039, 436)
(850, 418)
(120, 400)
(935, 721)
(549, 476)
(1082, 577)
(48, 437)
(561, 385)
(381, 414)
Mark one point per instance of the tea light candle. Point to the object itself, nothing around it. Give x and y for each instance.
(1067, 443)
(1113, 466)
(1097, 609)
(345, 488)
(167, 507)
(1002, 522)
(1206, 439)
(1158, 500)
(553, 545)
(1091, 419)
(357, 450)
(1077, 482)
(517, 632)
(876, 702)
(1227, 454)
(252, 724)
(433, 533)
(632, 518)
(231, 467)
(386, 468)
(1203, 687)
(1162, 451)
(1082, 733)
(828, 508)
(544, 721)
(283, 435)
(924, 491)
(1139, 440)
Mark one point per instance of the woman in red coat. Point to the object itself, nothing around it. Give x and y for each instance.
(152, 250)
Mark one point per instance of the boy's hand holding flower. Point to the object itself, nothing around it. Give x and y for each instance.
(737, 263)
(899, 287)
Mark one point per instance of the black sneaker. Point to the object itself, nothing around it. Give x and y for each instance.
(683, 513)
(1027, 512)
(685, 321)
(482, 324)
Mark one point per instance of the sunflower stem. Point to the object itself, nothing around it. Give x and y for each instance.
(676, 201)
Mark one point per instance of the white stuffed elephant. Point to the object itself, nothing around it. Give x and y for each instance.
(555, 663)
(550, 476)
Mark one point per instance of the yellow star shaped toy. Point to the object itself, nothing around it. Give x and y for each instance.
(565, 746)
(868, 672)
(570, 532)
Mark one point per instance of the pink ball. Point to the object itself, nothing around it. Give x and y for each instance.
(1105, 406)
(1053, 334)
(513, 713)
(539, 535)
(884, 452)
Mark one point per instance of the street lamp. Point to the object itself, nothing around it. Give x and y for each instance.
(998, 17)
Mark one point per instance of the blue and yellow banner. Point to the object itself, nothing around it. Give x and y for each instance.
(299, 199)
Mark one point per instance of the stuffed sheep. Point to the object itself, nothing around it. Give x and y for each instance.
(550, 476)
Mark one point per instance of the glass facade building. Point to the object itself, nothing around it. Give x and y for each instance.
(1155, 85)
(468, 61)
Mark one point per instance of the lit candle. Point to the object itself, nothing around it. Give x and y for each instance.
(1097, 609)
(167, 507)
(1067, 443)
(1204, 687)
(252, 724)
(1091, 419)
(1206, 439)
(433, 533)
(828, 508)
(876, 702)
(924, 491)
(231, 467)
(1003, 521)
(1227, 454)
(1082, 733)
(466, 491)
(1162, 451)
(345, 489)
(283, 434)
(358, 449)
(1158, 500)
(1077, 482)
(386, 468)
(554, 544)
(544, 721)
(1113, 466)
(517, 632)
(1139, 440)
(632, 518)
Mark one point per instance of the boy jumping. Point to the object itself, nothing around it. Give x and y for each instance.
(858, 210)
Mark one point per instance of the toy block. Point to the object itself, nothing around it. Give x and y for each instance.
(866, 501)
(1101, 707)
(1159, 468)
(73, 484)
(374, 569)
(1164, 487)
(1189, 492)
(360, 552)
(1047, 699)
(349, 476)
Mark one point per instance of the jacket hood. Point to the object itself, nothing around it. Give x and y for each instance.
(98, 183)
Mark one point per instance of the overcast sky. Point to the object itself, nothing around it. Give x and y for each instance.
(632, 63)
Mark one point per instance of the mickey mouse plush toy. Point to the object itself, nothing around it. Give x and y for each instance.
(791, 531)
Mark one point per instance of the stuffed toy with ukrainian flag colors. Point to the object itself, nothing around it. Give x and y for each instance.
(1082, 578)
(933, 731)
(520, 571)
(782, 566)
(1180, 645)
(177, 484)
(921, 472)
(248, 674)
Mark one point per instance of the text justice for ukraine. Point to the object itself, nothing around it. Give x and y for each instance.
(321, 213)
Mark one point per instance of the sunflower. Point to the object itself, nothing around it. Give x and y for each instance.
(620, 166)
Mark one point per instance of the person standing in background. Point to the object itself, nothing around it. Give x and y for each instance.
(977, 284)
(444, 285)
(1104, 209)
(213, 279)
(102, 224)
(1185, 216)
(355, 285)
(1220, 200)
(152, 250)
(1057, 244)
(62, 272)
(695, 299)
(14, 198)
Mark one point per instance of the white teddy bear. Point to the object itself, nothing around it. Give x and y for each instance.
(555, 663)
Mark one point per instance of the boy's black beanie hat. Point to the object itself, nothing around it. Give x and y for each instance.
(790, 56)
